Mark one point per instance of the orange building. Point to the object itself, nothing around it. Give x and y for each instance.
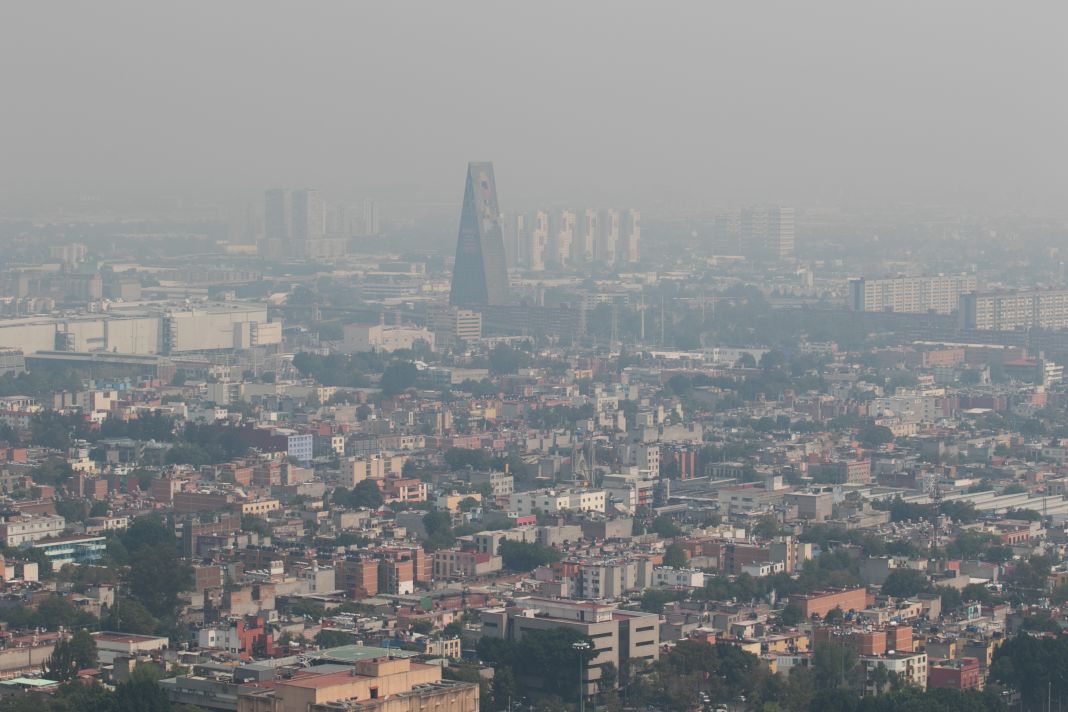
(823, 602)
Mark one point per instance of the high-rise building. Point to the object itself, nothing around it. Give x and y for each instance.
(767, 233)
(515, 244)
(1011, 310)
(632, 236)
(480, 276)
(563, 236)
(584, 247)
(294, 223)
(539, 240)
(370, 217)
(275, 223)
(911, 295)
(780, 240)
(308, 221)
(607, 245)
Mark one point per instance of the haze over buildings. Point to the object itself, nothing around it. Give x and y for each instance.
(637, 104)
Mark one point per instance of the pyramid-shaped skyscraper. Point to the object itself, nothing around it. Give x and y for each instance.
(480, 276)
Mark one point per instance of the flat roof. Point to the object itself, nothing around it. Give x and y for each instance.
(112, 637)
(354, 653)
(29, 682)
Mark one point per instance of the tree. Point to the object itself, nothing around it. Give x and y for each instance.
(872, 436)
(437, 522)
(72, 510)
(61, 665)
(654, 599)
(188, 454)
(438, 526)
(831, 664)
(526, 556)
(149, 531)
(142, 692)
(791, 614)
(83, 648)
(505, 359)
(55, 612)
(366, 494)
(156, 578)
(332, 638)
(675, 556)
(128, 615)
(835, 615)
(767, 527)
(904, 583)
(399, 377)
(251, 523)
(666, 527)
(53, 472)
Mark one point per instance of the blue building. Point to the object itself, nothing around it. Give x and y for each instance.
(302, 447)
(72, 550)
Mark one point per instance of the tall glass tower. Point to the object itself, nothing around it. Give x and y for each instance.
(480, 276)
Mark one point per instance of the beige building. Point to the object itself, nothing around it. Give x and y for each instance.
(379, 684)
(619, 636)
(453, 326)
(383, 337)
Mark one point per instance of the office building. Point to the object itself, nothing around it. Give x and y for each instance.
(910, 295)
(621, 636)
(454, 327)
(1008, 311)
(479, 276)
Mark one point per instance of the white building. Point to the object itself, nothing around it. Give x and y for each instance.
(554, 501)
(666, 576)
(382, 337)
(910, 667)
(15, 531)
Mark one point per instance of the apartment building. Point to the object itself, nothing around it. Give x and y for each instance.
(18, 530)
(1011, 310)
(910, 667)
(911, 295)
(553, 501)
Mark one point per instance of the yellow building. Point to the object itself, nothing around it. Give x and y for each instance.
(260, 507)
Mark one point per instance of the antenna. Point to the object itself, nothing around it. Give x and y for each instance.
(661, 319)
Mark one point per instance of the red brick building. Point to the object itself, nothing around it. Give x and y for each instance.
(959, 674)
(823, 602)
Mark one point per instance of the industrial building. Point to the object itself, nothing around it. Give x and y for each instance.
(152, 329)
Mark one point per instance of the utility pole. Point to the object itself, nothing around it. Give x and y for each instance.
(582, 646)
(661, 319)
(641, 337)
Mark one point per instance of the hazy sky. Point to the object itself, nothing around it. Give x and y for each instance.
(651, 103)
